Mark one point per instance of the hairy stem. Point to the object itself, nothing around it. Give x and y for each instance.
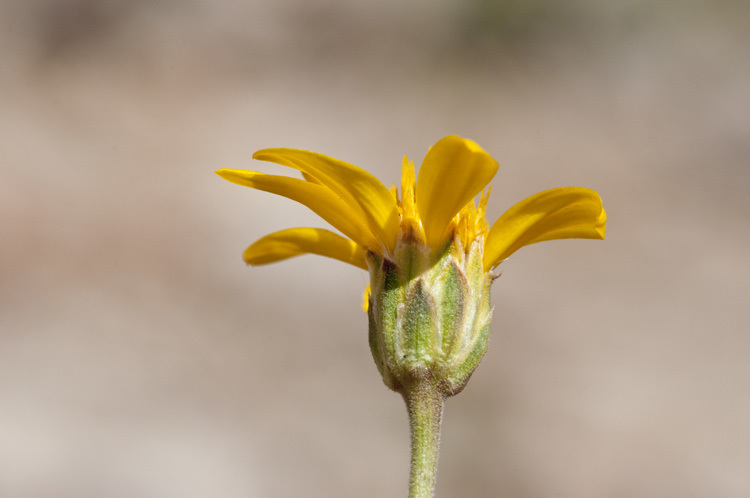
(425, 405)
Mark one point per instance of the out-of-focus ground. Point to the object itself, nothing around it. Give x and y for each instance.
(139, 357)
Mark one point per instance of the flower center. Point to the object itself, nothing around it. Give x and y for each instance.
(467, 225)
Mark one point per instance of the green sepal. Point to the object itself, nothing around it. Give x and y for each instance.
(376, 348)
(388, 295)
(474, 269)
(465, 364)
(450, 306)
(418, 328)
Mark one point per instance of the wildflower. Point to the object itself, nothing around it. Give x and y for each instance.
(431, 256)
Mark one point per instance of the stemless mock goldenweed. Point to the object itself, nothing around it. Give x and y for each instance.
(431, 256)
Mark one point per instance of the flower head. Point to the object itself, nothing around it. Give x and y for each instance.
(430, 251)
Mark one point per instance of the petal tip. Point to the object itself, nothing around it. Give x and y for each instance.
(601, 228)
(227, 174)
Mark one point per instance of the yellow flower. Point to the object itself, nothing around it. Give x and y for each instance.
(430, 254)
(434, 211)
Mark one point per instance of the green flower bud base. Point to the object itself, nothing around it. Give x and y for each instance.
(429, 319)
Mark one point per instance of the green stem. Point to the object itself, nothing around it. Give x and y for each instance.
(425, 405)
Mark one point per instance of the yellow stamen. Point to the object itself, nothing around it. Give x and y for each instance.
(394, 192)
(410, 222)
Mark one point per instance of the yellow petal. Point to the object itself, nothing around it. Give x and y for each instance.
(561, 213)
(318, 198)
(408, 210)
(309, 178)
(360, 190)
(296, 241)
(366, 298)
(454, 171)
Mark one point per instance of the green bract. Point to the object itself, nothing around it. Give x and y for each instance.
(429, 317)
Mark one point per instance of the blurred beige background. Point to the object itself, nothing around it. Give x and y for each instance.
(140, 358)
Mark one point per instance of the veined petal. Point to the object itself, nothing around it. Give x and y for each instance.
(359, 189)
(561, 213)
(296, 241)
(454, 171)
(320, 199)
